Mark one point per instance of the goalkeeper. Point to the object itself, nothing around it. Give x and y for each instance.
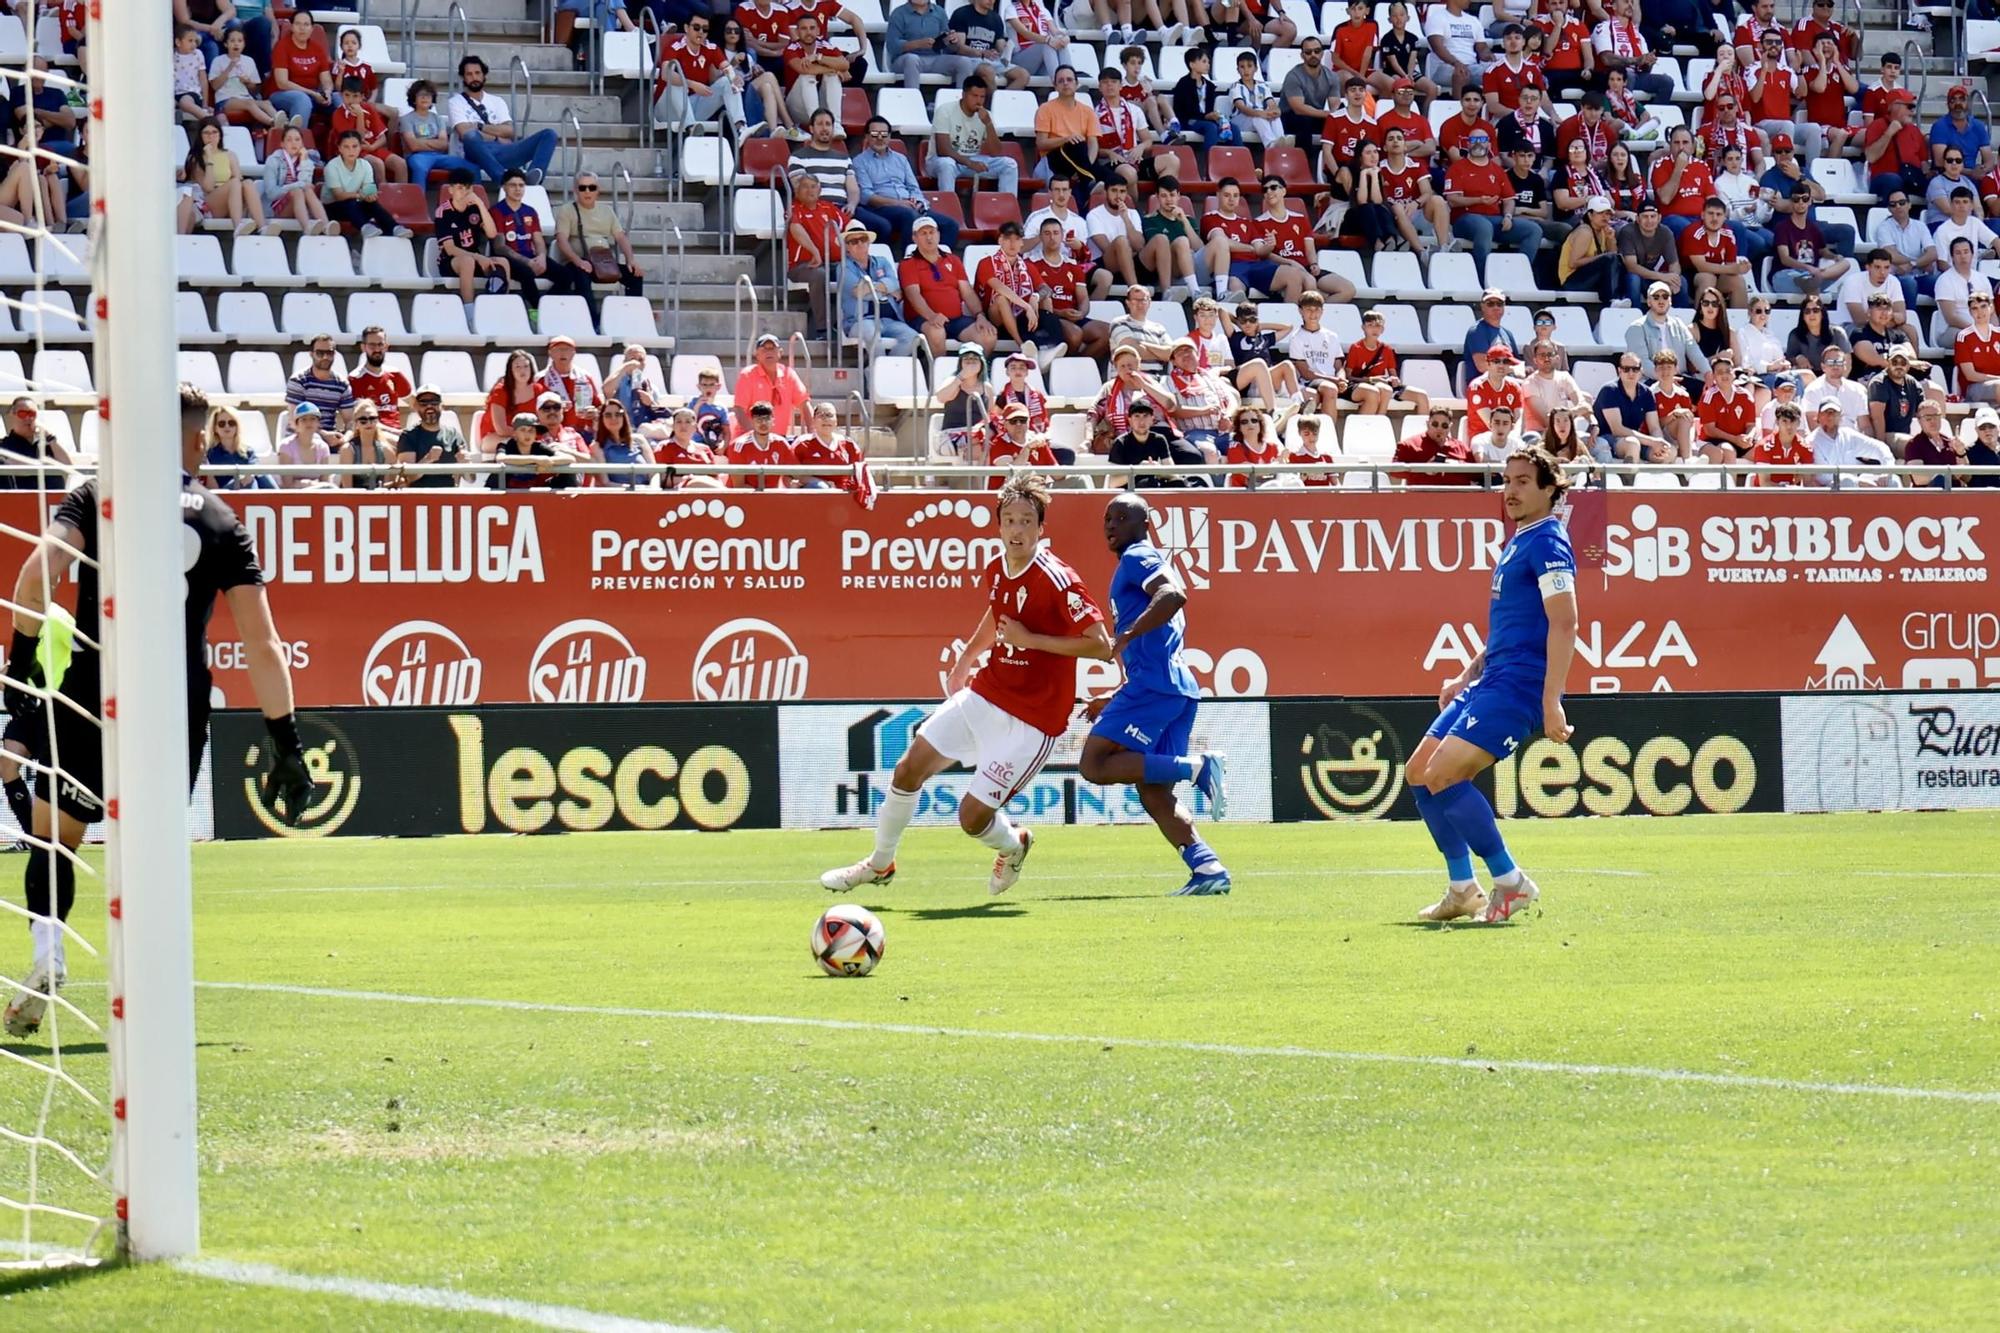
(66, 747)
(52, 655)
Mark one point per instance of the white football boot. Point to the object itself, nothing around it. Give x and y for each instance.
(855, 876)
(24, 1015)
(1508, 899)
(1459, 900)
(1007, 866)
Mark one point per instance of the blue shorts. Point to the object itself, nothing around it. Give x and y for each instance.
(1497, 720)
(1255, 273)
(1147, 722)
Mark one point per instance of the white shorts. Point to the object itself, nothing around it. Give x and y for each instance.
(1003, 752)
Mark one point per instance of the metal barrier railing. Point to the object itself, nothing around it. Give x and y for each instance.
(457, 39)
(893, 470)
(1914, 55)
(673, 329)
(521, 103)
(407, 46)
(854, 401)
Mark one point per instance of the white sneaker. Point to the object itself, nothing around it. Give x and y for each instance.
(1460, 900)
(1509, 899)
(1171, 34)
(402, 233)
(854, 876)
(24, 1015)
(1128, 34)
(369, 231)
(1007, 866)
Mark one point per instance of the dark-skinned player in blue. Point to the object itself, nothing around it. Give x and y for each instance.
(1140, 735)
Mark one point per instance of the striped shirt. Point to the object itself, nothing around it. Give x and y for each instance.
(829, 166)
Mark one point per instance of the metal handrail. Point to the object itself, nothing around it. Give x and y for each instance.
(457, 38)
(1985, 102)
(620, 175)
(567, 120)
(779, 277)
(593, 58)
(799, 340)
(408, 37)
(744, 282)
(855, 399)
(1961, 61)
(524, 107)
(649, 47)
(1914, 54)
(674, 291)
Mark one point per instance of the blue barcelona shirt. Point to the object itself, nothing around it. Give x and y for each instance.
(1536, 563)
(1153, 661)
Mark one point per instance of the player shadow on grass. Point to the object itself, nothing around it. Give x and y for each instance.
(21, 1282)
(1441, 927)
(991, 911)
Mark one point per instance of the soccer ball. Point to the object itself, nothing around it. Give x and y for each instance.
(847, 941)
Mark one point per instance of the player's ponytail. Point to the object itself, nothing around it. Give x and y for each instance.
(1549, 474)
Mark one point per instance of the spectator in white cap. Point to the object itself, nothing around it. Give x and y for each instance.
(1017, 390)
(1984, 451)
(1835, 445)
(1589, 261)
(1661, 329)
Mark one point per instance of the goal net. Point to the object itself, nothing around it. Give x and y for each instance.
(96, 1064)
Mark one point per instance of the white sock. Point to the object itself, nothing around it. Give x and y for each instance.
(1194, 286)
(1000, 834)
(1508, 880)
(892, 816)
(1221, 288)
(47, 936)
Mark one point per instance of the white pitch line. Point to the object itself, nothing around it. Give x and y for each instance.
(1749, 1081)
(424, 1298)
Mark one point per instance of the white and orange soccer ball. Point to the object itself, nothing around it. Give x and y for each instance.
(847, 940)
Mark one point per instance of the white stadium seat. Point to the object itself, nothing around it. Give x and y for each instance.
(502, 316)
(624, 319)
(198, 260)
(62, 372)
(256, 374)
(1399, 273)
(261, 261)
(307, 314)
(326, 260)
(374, 48)
(365, 308)
(191, 318)
(451, 372)
(566, 314)
(245, 315)
(200, 369)
(685, 381)
(436, 315)
(1455, 276)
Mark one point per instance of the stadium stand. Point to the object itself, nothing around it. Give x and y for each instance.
(707, 210)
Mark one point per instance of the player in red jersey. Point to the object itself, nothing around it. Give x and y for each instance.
(1002, 719)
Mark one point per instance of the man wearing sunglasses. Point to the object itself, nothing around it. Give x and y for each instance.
(1957, 132)
(25, 443)
(588, 234)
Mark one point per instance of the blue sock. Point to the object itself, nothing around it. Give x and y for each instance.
(1457, 856)
(1169, 769)
(1199, 854)
(1468, 810)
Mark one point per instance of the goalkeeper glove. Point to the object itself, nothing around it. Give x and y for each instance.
(288, 787)
(22, 667)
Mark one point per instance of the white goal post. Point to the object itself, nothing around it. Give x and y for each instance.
(141, 535)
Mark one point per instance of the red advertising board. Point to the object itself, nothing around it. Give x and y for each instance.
(461, 597)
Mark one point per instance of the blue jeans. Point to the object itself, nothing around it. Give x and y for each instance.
(1677, 223)
(1753, 243)
(293, 103)
(893, 222)
(423, 164)
(753, 109)
(888, 335)
(496, 157)
(1212, 133)
(1485, 232)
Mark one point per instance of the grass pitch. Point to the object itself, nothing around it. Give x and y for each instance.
(654, 1160)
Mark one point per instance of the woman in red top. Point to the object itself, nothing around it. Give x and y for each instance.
(514, 392)
(1251, 441)
(683, 447)
(1829, 82)
(301, 77)
(1726, 80)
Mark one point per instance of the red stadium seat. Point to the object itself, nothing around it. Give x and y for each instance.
(946, 206)
(1290, 166)
(854, 111)
(1189, 170)
(274, 139)
(406, 204)
(1232, 160)
(765, 159)
(1038, 201)
(991, 209)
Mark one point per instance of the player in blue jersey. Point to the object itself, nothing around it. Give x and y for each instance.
(1512, 690)
(1140, 735)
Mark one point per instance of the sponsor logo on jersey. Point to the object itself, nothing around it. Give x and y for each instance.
(749, 659)
(421, 662)
(586, 661)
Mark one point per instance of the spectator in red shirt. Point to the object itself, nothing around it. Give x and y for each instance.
(1016, 444)
(1828, 80)
(938, 293)
(1059, 273)
(1309, 450)
(1726, 417)
(824, 444)
(812, 244)
(683, 448)
(1251, 440)
(1504, 79)
(1710, 254)
(1470, 120)
(301, 79)
(759, 445)
(1895, 149)
(1568, 59)
(355, 114)
(1681, 182)
(1436, 443)
(765, 380)
(1786, 446)
(1373, 381)
(373, 380)
(1482, 204)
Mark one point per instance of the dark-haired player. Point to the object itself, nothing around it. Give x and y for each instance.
(1142, 732)
(1002, 719)
(1512, 690)
(217, 559)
